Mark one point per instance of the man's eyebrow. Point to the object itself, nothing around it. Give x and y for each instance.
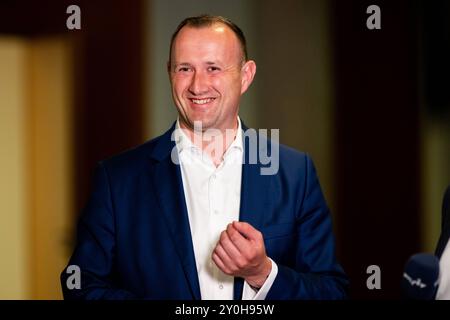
(185, 64)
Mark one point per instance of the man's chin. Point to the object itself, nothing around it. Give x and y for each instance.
(202, 125)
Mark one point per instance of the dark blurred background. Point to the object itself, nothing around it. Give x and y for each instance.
(372, 107)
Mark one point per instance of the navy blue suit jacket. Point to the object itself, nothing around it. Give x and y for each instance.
(134, 240)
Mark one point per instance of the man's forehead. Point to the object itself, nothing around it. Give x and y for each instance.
(216, 36)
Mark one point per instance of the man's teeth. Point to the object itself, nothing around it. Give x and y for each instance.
(202, 101)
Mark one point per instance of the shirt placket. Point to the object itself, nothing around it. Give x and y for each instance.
(213, 212)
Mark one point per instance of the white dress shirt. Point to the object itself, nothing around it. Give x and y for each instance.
(213, 197)
(443, 292)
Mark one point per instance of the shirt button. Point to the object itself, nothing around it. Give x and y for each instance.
(213, 176)
(216, 211)
(220, 286)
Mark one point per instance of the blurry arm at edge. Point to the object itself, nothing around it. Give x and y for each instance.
(443, 250)
(445, 224)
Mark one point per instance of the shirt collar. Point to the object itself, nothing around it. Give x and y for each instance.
(183, 142)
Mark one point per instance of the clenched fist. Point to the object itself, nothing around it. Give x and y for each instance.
(240, 252)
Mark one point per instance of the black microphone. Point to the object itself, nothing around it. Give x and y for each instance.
(421, 277)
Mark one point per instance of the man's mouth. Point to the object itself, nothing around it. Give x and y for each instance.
(202, 101)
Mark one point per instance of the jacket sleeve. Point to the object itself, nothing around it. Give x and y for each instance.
(95, 247)
(315, 273)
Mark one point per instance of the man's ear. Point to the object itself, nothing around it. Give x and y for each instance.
(168, 67)
(248, 73)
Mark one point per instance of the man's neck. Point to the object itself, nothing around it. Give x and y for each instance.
(213, 142)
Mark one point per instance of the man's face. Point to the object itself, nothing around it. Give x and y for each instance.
(208, 76)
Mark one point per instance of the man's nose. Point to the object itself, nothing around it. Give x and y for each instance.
(199, 83)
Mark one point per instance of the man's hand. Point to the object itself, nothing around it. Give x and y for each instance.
(240, 252)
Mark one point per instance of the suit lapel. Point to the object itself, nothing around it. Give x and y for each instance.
(168, 184)
(254, 195)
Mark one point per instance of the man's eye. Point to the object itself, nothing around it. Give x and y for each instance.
(183, 69)
(212, 69)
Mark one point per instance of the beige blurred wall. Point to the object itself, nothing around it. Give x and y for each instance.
(50, 88)
(35, 165)
(14, 218)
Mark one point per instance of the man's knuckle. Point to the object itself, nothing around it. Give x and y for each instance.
(259, 235)
(240, 263)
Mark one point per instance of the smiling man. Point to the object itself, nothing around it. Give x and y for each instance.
(178, 219)
(209, 71)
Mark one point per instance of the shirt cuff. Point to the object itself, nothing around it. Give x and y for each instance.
(443, 292)
(249, 293)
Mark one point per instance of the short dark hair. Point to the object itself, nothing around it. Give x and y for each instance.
(206, 20)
